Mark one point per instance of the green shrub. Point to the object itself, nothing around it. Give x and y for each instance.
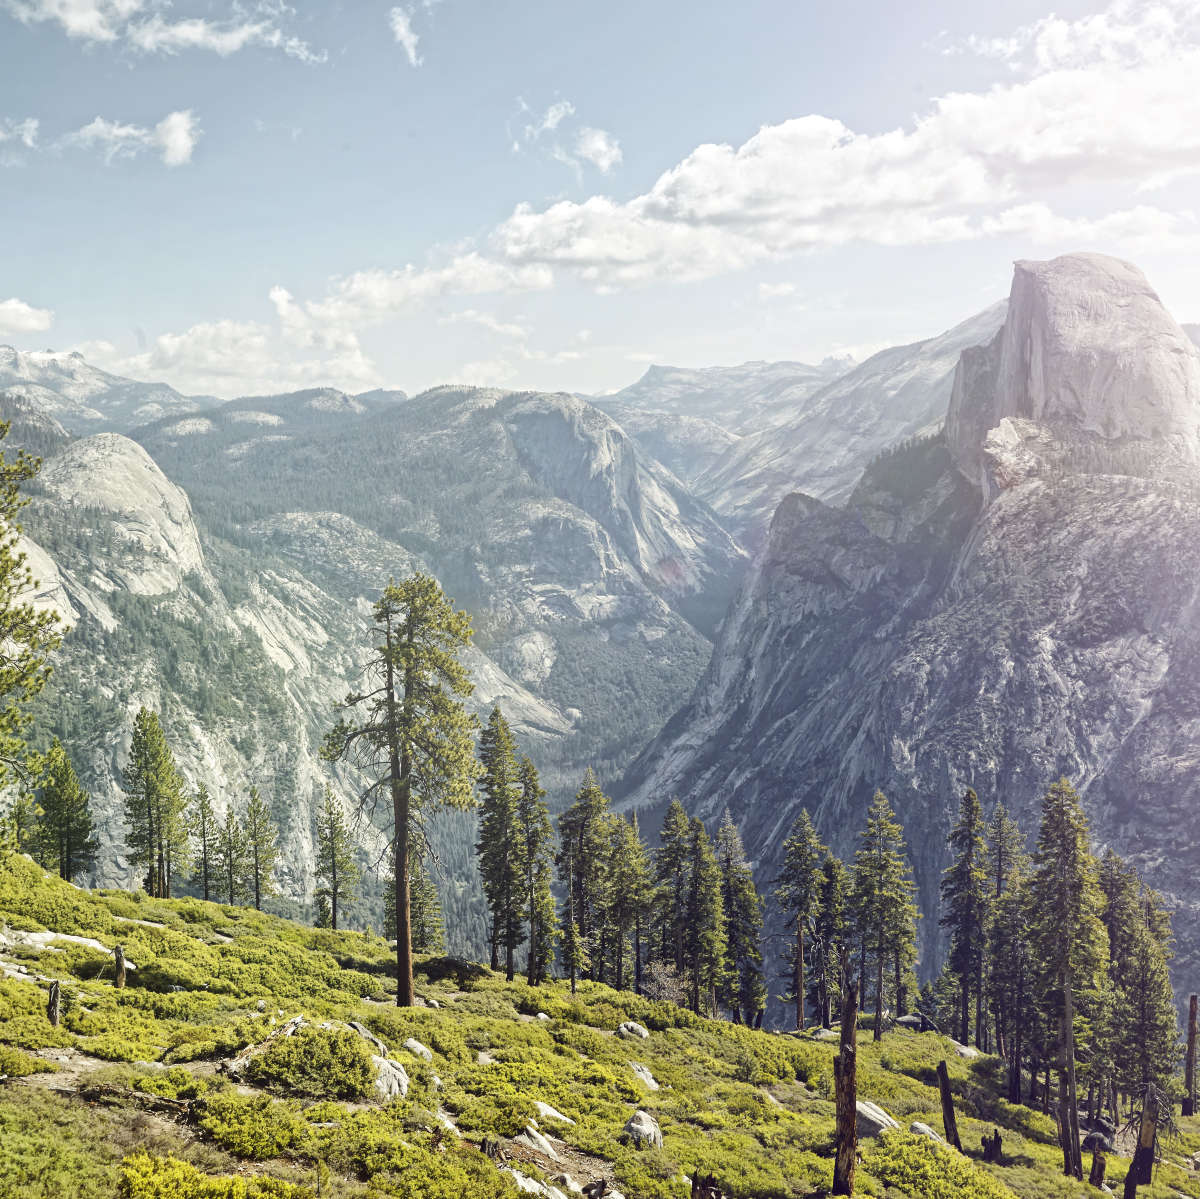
(16, 1064)
(146, 1177)
(916, 1166)
(319, 1063)
(254, 1126)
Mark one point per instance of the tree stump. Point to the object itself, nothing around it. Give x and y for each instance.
(119, 958)
(1099, 1165)
(54, 1004)
(948, 1120)
(991, 1146)
(845, 1074)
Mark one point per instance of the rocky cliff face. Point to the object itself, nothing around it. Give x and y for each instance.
(828, 437)
(1003, 603)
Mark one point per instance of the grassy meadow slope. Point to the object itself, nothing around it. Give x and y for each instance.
(129, 1096)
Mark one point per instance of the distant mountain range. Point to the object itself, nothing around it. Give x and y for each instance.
(851, 592)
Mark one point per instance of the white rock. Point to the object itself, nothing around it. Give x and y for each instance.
(872, 1119)
(551, 1113)
(418, 1050)
(923, 1130)
(536, 1141)
(542, 1016)
(632, 1030)
(643, 1129)
(643, 1074)
(568, 1183)
(391, 1079)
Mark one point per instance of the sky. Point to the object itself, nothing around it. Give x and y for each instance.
(245, 196)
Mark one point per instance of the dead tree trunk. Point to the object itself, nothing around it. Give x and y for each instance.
(845, 1076)
(948, 1120)
(1189, 1073)
(1142, 1168)
(119, 959)
(1099, 1165)
(53, 1004)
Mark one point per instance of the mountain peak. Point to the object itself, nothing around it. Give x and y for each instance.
(1087, 351)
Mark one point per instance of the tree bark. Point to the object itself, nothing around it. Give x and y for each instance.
(948, 1120)
(878, 1034)
(1068, 1099)
(1142, 1168)
(845, 1074)
(119, 967)
(800, 972)
(1189, 1073)
(53, 1004)
(1099, 1165)
(400, 766)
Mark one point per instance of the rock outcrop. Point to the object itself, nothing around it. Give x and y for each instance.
(994, 607)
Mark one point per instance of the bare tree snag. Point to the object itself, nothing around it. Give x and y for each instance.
(54, 1004)
(845, 1077)
(1142, 1168)
(1099, 1165)
(119, 959)
(948, 1120)
(1189, 1074)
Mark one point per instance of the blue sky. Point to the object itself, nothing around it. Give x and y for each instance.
(251, 196)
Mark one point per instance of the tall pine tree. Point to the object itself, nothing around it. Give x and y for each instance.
(743, 990)
(500, 847)
(537, 859)
(883, 895)
(337, 874)
(154, 806)
(205, 829)
(798, 890)
(582, 860)
(671, 861)
(705, 940)
(965, 912)
(1068, 939)
(408, 730)
(262, 847)
(231, 862)
(829, 937)
(65, 839)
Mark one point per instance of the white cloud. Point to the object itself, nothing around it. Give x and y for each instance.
(24, 131)
(599, 148)
(229, 358)
(549, 121)
(140, 24)
(18, 317)
(174, 137)
(400, 20)
(485, 320)
(775, 291)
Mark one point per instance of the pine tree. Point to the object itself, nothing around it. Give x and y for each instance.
(582, 856)
(1009, 949)
(64, 837)
(19, 828)
(537, 856)
(206, 836)
(1143, 1034)
(154, 806)
(575, 948)
(705, 943)
(743, 991)
(500, 847)
(629, 894)
(411, 733)
(671, 879)
(798, 890)
(337, 874)
(829, 937)
(29, 635)
(231, 861)
(428, 932)
(639, 879)
(965, 912)
(262, 846)
(1068, 940)
(883, 897)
